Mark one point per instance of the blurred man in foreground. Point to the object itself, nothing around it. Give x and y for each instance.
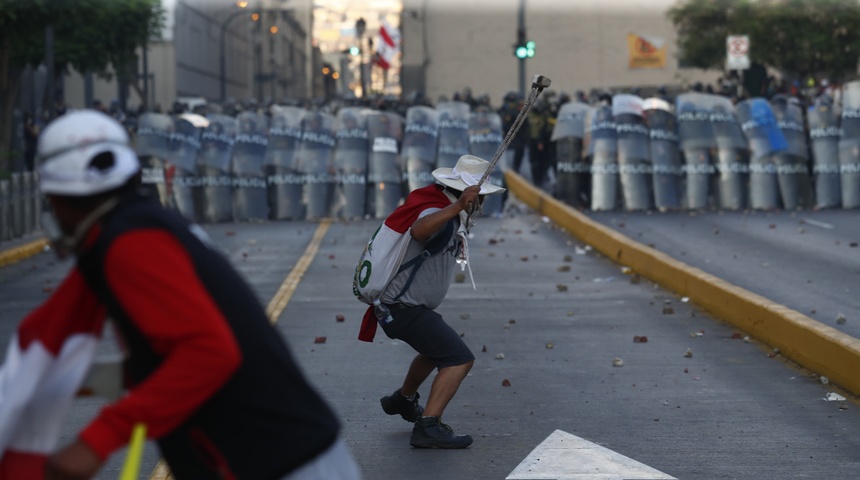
(208, 376)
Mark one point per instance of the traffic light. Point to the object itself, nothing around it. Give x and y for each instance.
(525, 50)
(354, 51)
(520, 51)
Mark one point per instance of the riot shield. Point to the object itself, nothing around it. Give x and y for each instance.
(420, 138)
(849, 146)
(283, 179)
(665, 157)
(213, 166)
(824, 135)
(732, 155)
(152, 145)
(453, 133)
(696, 136)
(572, 171)
(602, 148)
(350, 160)
(485, 138)
(316, 162)
(184, 183)
(384, 170)
(765, 139)
(634, 158)
(792, 171)
(250, 197)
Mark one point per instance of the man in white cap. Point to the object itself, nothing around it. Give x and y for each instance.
(436, 217)
(209, 377)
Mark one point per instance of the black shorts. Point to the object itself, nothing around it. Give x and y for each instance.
(425, 331)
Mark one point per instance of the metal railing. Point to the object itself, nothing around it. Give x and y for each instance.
(20, 206)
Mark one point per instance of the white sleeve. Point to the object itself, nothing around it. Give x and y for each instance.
(37, 389)
(20, 376)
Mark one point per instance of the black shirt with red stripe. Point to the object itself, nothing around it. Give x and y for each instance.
(209, 375)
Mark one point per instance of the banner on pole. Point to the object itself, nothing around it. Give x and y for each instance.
(388, 45)
(646, 51)
(737, 52)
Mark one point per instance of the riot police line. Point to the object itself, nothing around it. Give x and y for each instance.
(291, 163)
(704, 152)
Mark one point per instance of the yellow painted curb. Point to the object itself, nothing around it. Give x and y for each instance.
(13, 255)
(813, 345)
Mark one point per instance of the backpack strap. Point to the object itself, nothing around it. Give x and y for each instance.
(433, 247)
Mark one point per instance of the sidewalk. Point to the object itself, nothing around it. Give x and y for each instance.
(15, 250)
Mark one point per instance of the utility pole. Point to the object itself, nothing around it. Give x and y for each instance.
(521, 40)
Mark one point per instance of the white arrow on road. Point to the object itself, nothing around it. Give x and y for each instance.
(563, 456)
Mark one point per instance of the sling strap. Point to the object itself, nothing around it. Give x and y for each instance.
(433, 247)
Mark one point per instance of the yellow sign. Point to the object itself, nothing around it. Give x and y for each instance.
(646, 52)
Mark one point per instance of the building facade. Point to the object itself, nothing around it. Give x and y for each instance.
(579, 44)
(213, 50)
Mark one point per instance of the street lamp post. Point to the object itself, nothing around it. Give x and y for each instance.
(223, 72)
(360, 26)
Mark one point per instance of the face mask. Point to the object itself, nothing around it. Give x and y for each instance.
(64, 244)
(61, 244)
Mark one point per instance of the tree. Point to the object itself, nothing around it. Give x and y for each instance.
(98, 36)
(800, 38)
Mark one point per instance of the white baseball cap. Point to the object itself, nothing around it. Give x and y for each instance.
(68, 146)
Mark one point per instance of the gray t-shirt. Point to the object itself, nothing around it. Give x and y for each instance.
(434, 276)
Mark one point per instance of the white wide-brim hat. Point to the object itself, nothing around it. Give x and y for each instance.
(466, 173)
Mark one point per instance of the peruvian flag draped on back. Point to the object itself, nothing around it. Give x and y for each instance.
(388, 45)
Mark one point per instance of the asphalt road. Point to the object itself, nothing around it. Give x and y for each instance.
(549, 317)
(808, 261)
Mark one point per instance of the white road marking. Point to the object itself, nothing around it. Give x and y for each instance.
(563, 456)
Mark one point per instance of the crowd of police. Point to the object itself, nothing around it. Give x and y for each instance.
(705, 150)
(293, 162)
(695, 150)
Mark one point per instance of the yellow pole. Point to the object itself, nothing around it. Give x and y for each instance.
(131, 468)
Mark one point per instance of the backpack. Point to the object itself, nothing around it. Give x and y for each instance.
(382, 257)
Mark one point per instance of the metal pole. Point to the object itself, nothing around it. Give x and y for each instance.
(360, 25)
(49, 101)
(222, 76)
(88, 89)
(521, 33)
(222, 54)
(145, 100)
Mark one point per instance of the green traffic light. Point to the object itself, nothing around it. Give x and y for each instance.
(522, 52)
(353, 51)
(530, 44)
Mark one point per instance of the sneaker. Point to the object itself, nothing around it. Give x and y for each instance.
(396, 403)
(430, 432)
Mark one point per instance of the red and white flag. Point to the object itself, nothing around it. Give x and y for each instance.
(388, 45)
(46, 362)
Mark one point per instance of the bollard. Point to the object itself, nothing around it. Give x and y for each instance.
(15, 201)
(27, 203)
(5, 230)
